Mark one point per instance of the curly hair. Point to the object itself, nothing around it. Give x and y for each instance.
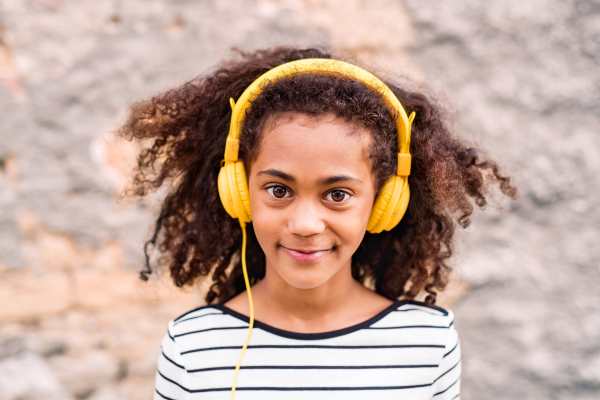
(187, 127)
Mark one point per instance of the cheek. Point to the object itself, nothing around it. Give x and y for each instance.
(264, 227)
(265, 224)
(352, 229)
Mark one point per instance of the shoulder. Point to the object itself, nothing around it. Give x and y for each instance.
(435, 323)
(431, 325)
(197, 312)
(418, 311)
(200, 318)
(418, 322)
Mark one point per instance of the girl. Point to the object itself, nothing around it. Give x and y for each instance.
(341, 217)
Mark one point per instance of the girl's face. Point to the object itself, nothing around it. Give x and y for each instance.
(311, 193)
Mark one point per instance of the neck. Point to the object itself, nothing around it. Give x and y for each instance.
(303, 309)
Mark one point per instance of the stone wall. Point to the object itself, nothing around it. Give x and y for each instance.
(523, 78)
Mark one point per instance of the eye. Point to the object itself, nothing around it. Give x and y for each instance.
(337, 196)
(279, 192)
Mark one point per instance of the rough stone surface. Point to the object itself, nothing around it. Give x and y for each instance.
(28, 377)
(525, 82)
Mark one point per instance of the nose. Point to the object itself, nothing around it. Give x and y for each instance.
(305, 219)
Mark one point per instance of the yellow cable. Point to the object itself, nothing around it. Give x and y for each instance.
(247, 281)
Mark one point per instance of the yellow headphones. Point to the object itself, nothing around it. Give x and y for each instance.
(390, 204)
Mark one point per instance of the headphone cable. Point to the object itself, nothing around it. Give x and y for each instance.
(247, 281)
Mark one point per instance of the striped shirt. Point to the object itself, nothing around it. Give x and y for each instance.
(408, 351)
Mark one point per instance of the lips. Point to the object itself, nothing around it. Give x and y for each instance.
(305, 255)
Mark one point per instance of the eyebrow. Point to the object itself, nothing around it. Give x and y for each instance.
(323, 181)
(338, 178)
(278, 174)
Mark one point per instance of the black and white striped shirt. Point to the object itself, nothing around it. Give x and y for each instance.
(407, 351)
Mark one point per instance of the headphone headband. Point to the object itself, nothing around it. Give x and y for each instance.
(328, 66)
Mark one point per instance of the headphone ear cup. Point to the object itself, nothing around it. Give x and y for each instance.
(400, 207)
(225, 194)
(241, 183)
(238, 188)
(381, 202)
(233, 190)
(388, 208)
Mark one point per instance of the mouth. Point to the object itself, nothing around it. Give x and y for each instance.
(305, 256)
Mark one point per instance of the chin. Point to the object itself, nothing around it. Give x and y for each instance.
(304, 278)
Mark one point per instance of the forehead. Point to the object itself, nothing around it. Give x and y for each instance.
(324, 145)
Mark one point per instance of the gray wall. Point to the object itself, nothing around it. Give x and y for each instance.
(525, 79)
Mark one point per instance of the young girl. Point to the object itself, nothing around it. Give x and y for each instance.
(339, 210)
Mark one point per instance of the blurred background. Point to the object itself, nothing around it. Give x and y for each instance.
(523, 78)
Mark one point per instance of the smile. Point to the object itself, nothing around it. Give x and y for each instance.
(305, 256)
